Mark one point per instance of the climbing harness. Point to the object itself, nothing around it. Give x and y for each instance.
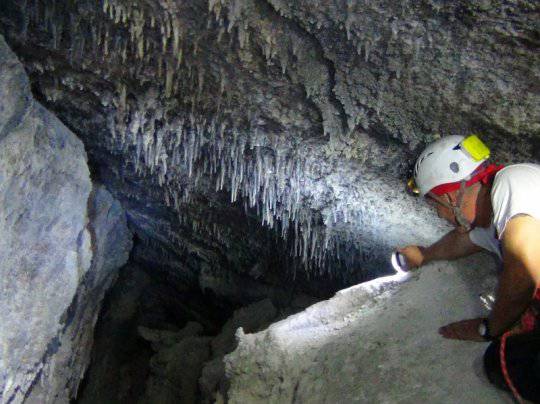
(504, 368)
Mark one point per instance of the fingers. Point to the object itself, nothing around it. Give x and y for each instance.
(449, 332)
(466, 330)
(413, 255)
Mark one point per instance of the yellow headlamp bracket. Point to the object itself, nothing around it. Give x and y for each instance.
(475, 148)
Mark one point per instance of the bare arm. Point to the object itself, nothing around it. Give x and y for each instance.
(454, 244)
(521, 273)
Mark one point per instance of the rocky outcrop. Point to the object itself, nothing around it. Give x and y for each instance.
(254, 317)
(373, 343)
(261, 147)
(61, 241)
(175, 371)
(188, 367)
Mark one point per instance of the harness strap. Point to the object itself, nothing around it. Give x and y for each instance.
(456, 209)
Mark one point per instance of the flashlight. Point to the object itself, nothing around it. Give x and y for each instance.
(399, 262)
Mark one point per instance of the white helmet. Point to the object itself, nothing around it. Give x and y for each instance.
(449, 160)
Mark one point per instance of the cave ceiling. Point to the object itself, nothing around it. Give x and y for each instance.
(242, 132)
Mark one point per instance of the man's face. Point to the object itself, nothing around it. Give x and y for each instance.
(443, 211)
(468, 205)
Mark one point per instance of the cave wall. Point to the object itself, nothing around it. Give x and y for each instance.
(62, 240)
(305, 115)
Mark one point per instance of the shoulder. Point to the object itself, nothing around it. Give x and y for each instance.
(522, 237)
(516, 190)
(517, 172)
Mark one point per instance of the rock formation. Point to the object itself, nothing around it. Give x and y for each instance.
(307, 115)
(62, 239)
(376, 342)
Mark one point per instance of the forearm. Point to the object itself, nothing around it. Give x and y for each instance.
(512, 299)
(521, 273)
(452, 246)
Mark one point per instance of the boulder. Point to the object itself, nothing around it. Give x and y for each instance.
(61, 241)
(376, 342)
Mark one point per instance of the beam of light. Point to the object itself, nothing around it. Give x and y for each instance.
(375, 286)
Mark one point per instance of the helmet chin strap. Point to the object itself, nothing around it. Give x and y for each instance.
(460, 218)
(456, 209)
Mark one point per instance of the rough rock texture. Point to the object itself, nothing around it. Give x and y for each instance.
(181, 370)
(175, 371)
(164, 338)
(111, 244)
(373, 343)
(308, 113)
(61, 240)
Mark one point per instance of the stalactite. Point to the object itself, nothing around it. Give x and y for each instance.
(169, 79)
(257, 171)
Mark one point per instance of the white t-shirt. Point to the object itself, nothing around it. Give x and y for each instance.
(516, 190)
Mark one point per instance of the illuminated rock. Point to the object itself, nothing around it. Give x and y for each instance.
(372, 343)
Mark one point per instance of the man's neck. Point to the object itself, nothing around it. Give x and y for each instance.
(484, 209)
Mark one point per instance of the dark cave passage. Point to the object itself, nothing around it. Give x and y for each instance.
(151, 323)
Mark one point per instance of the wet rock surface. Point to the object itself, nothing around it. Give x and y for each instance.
(62, 239)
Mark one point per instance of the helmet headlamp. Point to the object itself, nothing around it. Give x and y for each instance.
(475, 148)
(412, 189)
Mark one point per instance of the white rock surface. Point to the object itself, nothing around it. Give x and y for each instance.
(373, 343)
(59, 246)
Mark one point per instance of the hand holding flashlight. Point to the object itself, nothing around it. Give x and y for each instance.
(399, 262)
(408, 258)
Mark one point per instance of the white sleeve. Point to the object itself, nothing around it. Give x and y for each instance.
(516, 190)
(485, 237)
